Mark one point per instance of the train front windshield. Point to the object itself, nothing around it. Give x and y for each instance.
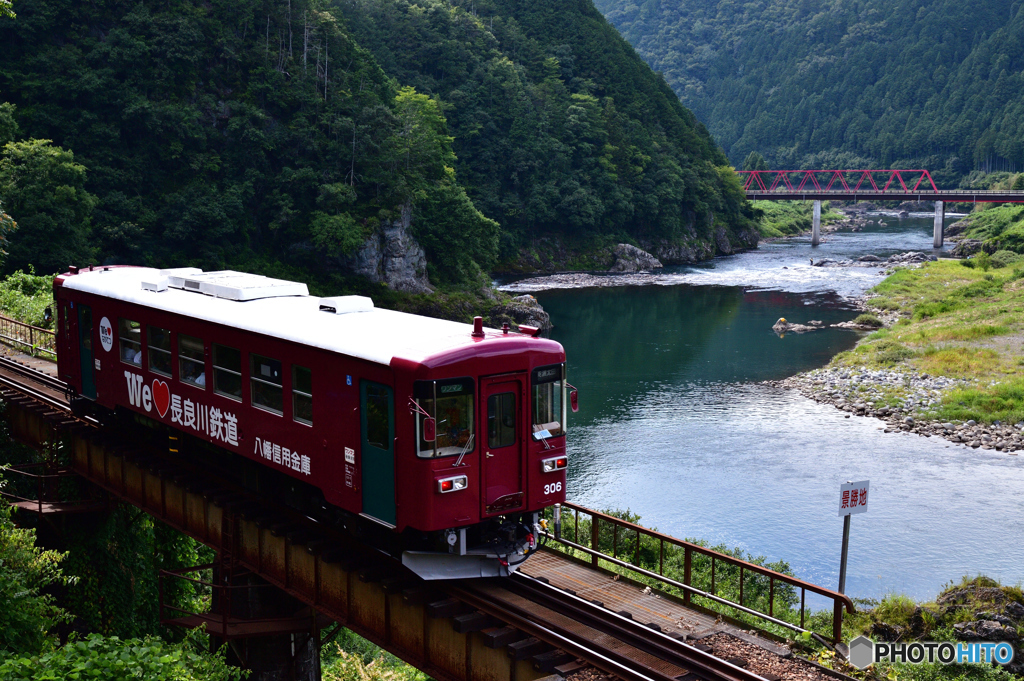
(450, 404)
(548, 388)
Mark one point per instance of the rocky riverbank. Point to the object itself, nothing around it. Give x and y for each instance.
(945, 365)
(894, 396)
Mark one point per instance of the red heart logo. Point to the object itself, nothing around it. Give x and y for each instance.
(161, 396)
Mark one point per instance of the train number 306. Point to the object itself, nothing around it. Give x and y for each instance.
(552, 488)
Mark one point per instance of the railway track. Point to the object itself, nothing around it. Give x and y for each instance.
(610, 642)
(34, 384)
(558, 620)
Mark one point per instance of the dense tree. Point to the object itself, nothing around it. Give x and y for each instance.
(44, 188)
(755, 161)
(27, 612)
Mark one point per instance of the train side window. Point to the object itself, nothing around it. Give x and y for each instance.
(265, 379)
(302, 395)
(227, 372)
(191, 360)
(129, 334)
(159, 344)
(501, 420)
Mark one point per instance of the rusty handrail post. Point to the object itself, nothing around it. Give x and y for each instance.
(615, 540)
(741, 585)
(803, 596)
(687, 572)
(594, 530)
(576, 528)
(771, 596)
(661, 559)
(837, 621)
(636, 553)
(713, 593)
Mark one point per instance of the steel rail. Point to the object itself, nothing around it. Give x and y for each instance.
(640, 636)
(27, 391)
(609, 662)
(637, 636)
(14, 366)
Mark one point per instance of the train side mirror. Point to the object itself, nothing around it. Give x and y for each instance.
(429, 430)
(47, 315)
(574, 400)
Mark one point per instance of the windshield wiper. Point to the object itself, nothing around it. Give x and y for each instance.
(465, 450)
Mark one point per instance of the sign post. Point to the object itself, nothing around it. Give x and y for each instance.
(853, 498)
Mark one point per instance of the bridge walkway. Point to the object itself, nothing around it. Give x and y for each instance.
(620, 594)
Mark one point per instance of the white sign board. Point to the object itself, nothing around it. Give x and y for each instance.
(853, 497)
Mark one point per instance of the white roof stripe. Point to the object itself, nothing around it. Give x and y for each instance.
(375, 335)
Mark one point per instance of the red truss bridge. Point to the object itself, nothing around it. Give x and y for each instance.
(861, 185)
(864, 185)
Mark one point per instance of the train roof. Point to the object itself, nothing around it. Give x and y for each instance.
(349, 325)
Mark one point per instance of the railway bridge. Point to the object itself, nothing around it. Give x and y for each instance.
(283, 584)
(864, 185)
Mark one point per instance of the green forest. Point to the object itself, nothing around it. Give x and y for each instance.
(279, 136)
(860, 84)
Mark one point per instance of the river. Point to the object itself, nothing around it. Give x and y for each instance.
(675, 426)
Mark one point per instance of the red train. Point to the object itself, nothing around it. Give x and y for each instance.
(442, 441)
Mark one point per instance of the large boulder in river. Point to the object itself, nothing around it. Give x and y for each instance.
(629, 258)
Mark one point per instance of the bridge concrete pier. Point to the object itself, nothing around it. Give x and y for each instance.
(940, 218)
(816, 224)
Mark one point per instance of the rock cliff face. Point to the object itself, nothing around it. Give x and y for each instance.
(393, 257)
(694, 249)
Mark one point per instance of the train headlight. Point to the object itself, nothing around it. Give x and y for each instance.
(553, 464)
(452, 484)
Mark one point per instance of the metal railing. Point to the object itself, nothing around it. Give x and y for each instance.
(34, 340)
(47, 487)
(626, 541)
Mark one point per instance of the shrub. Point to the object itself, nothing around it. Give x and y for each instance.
(983, 261)
(868, 319)
(1004, 258)
(891, 352)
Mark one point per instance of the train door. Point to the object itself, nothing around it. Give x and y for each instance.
(85, 351)
(502, 468)
(377, 408)
(67, 340)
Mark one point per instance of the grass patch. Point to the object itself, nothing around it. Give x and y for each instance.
(788, 218)
(959, 362)
(1002, 402)
(967, 333)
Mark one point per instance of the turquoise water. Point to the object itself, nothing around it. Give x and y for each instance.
(674, 425)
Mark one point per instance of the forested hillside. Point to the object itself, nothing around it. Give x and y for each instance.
(844, 84)
(272, 135)
(558, 126)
